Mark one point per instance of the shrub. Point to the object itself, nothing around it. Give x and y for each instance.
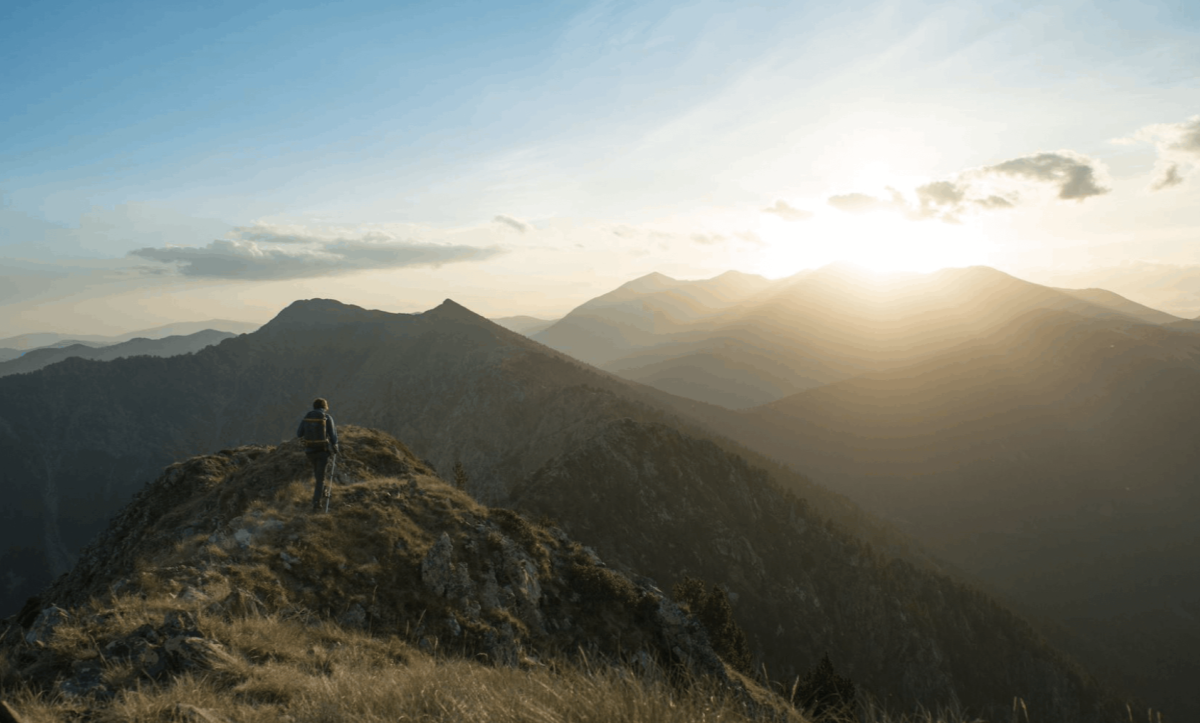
(711, 607)
(824, 693)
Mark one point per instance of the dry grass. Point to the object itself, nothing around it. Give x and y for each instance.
(282, 670)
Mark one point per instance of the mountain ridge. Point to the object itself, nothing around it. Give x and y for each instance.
(225, 540)
(167, 346)
(456, 387)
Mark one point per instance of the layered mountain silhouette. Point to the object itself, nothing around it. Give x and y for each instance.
(538, 430)
(740, 341)
(167, 346)
(1040, 439)
(24, 342)
(1056, 460)
(527, 325)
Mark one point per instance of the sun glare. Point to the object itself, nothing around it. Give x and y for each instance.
(880, 242)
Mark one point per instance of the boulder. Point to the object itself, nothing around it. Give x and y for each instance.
(42, 629)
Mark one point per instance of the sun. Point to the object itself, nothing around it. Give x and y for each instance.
(880, 241)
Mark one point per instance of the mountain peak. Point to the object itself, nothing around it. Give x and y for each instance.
(651, 282)
(401, 560)
(319, 313)
(451, 309)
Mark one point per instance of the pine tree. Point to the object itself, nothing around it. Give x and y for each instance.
(824, 693)
(460, 476)
(711, 607)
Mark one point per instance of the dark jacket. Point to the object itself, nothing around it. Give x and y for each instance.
(330, 427)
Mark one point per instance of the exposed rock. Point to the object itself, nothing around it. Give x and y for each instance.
(86, 681)
(437, 570)
(150, 660)
(354, 617)
(43, 627)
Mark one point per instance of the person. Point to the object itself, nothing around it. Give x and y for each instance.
(320, 444)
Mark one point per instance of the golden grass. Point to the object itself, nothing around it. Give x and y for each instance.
(283, 670)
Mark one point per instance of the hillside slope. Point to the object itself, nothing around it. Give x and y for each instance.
(231, 578)
(1055, 460)
(669, 506)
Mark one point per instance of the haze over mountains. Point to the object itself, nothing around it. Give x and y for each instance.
(740, 341)
(182, 328)
(526, 422)
(1041, 439)
(35, 359)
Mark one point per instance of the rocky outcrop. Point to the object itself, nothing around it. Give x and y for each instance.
(405, 555)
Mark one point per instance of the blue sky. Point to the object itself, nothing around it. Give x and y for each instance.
(524, 157)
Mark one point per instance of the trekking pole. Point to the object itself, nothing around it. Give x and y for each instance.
(329, 487)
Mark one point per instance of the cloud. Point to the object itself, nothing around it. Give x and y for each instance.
(787, 212)
(511, 222)
(1178, 146)
(862, 203)
(989, 188)
(941, 193)
(709, 239)
(267, 253)
(993, 202)
(1170, 177)
(1075, 175)
(855, 202)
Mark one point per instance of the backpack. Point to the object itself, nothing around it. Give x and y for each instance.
(315, 435)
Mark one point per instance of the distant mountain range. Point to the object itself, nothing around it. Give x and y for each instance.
(35, 359)
(618, 465)
(1041, 440)
(526, 325)
(740, 341)
(24, 342)
(1171, 287)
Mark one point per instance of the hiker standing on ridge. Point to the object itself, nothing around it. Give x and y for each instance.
(320, 443)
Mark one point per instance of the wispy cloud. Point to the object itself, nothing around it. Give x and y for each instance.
(513, 223)
(862, 202)
(787, 212)
(1004, 185)
(264, 252)
(1178, 146)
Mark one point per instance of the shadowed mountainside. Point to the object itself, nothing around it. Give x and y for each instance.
(459, 388)
(669, 506)
(1040, 439)
(1055, 460)
(167, 346)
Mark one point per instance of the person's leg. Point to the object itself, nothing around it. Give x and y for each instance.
(319, 461)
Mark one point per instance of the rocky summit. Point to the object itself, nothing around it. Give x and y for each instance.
(217, 582)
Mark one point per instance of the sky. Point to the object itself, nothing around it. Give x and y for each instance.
(171, 162)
